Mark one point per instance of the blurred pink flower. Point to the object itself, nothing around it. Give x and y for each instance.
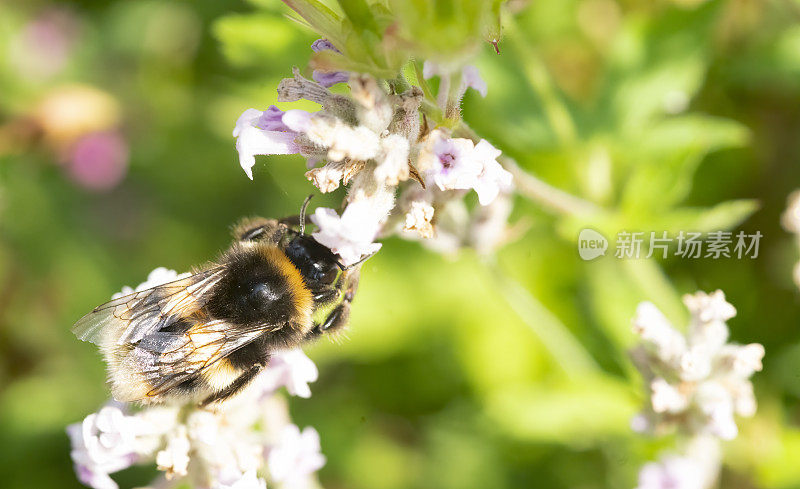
(43, 47)
(98, 161)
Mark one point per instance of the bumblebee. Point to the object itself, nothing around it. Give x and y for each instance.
(203, 338)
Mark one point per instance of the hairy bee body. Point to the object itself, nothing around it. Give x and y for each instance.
(205, 337)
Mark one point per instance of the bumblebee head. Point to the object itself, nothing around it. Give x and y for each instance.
(318, 265)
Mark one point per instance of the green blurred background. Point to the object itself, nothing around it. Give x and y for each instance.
(670, 114)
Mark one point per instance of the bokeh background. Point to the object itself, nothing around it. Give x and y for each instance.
(116, 157)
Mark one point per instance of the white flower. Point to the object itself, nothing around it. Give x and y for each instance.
(343, 140)
(271, 132)
(352, 235)
(493, 177)
(791, 216)
(716, 403)
(234, 480)
(450, 162)
(696, 468)
(291, 369)
(393, 161)
(457, 163)
(174, 459)
(327, 177)
(103, 443)
(658, 334)
(159, 276)
(697, 381)
(295, 457)
(418, 219)
(672, 472)
(709, 307)
(666, 398)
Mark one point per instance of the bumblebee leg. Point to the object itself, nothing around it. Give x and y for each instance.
(234, 387)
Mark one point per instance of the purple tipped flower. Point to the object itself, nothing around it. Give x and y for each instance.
(271, 132)
(327, 78)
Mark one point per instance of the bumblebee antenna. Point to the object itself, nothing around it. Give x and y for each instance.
(303, 214)
(359, 262)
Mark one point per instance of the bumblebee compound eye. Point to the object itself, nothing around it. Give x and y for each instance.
(328, 276)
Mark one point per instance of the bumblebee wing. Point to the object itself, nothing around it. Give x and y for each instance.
(163, 360)
(130, 318)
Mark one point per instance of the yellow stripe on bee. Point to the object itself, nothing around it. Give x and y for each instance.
(220, 374)
(301, 296)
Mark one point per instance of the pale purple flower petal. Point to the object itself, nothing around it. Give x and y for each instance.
(291, 369)
(272, 120)
(295, 457)
(323, 45)
(271, 132)
(328, 78)
(103, 443)
(352, 235)
(451, 163)
(471, 78)
(431, 69)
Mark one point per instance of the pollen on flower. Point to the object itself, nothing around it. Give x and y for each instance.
(419, 219)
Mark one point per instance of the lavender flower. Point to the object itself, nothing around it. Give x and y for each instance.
(697, 383)
(327, 78)
(458, 164)
(295, 456)
(270, 132)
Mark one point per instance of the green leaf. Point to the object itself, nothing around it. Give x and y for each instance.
(726, 215)
(319, 17)
(252, 38)
(572, 413)
(665, 158)
(359, 14)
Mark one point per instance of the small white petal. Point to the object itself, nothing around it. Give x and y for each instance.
(253, 141)
(666, 398)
